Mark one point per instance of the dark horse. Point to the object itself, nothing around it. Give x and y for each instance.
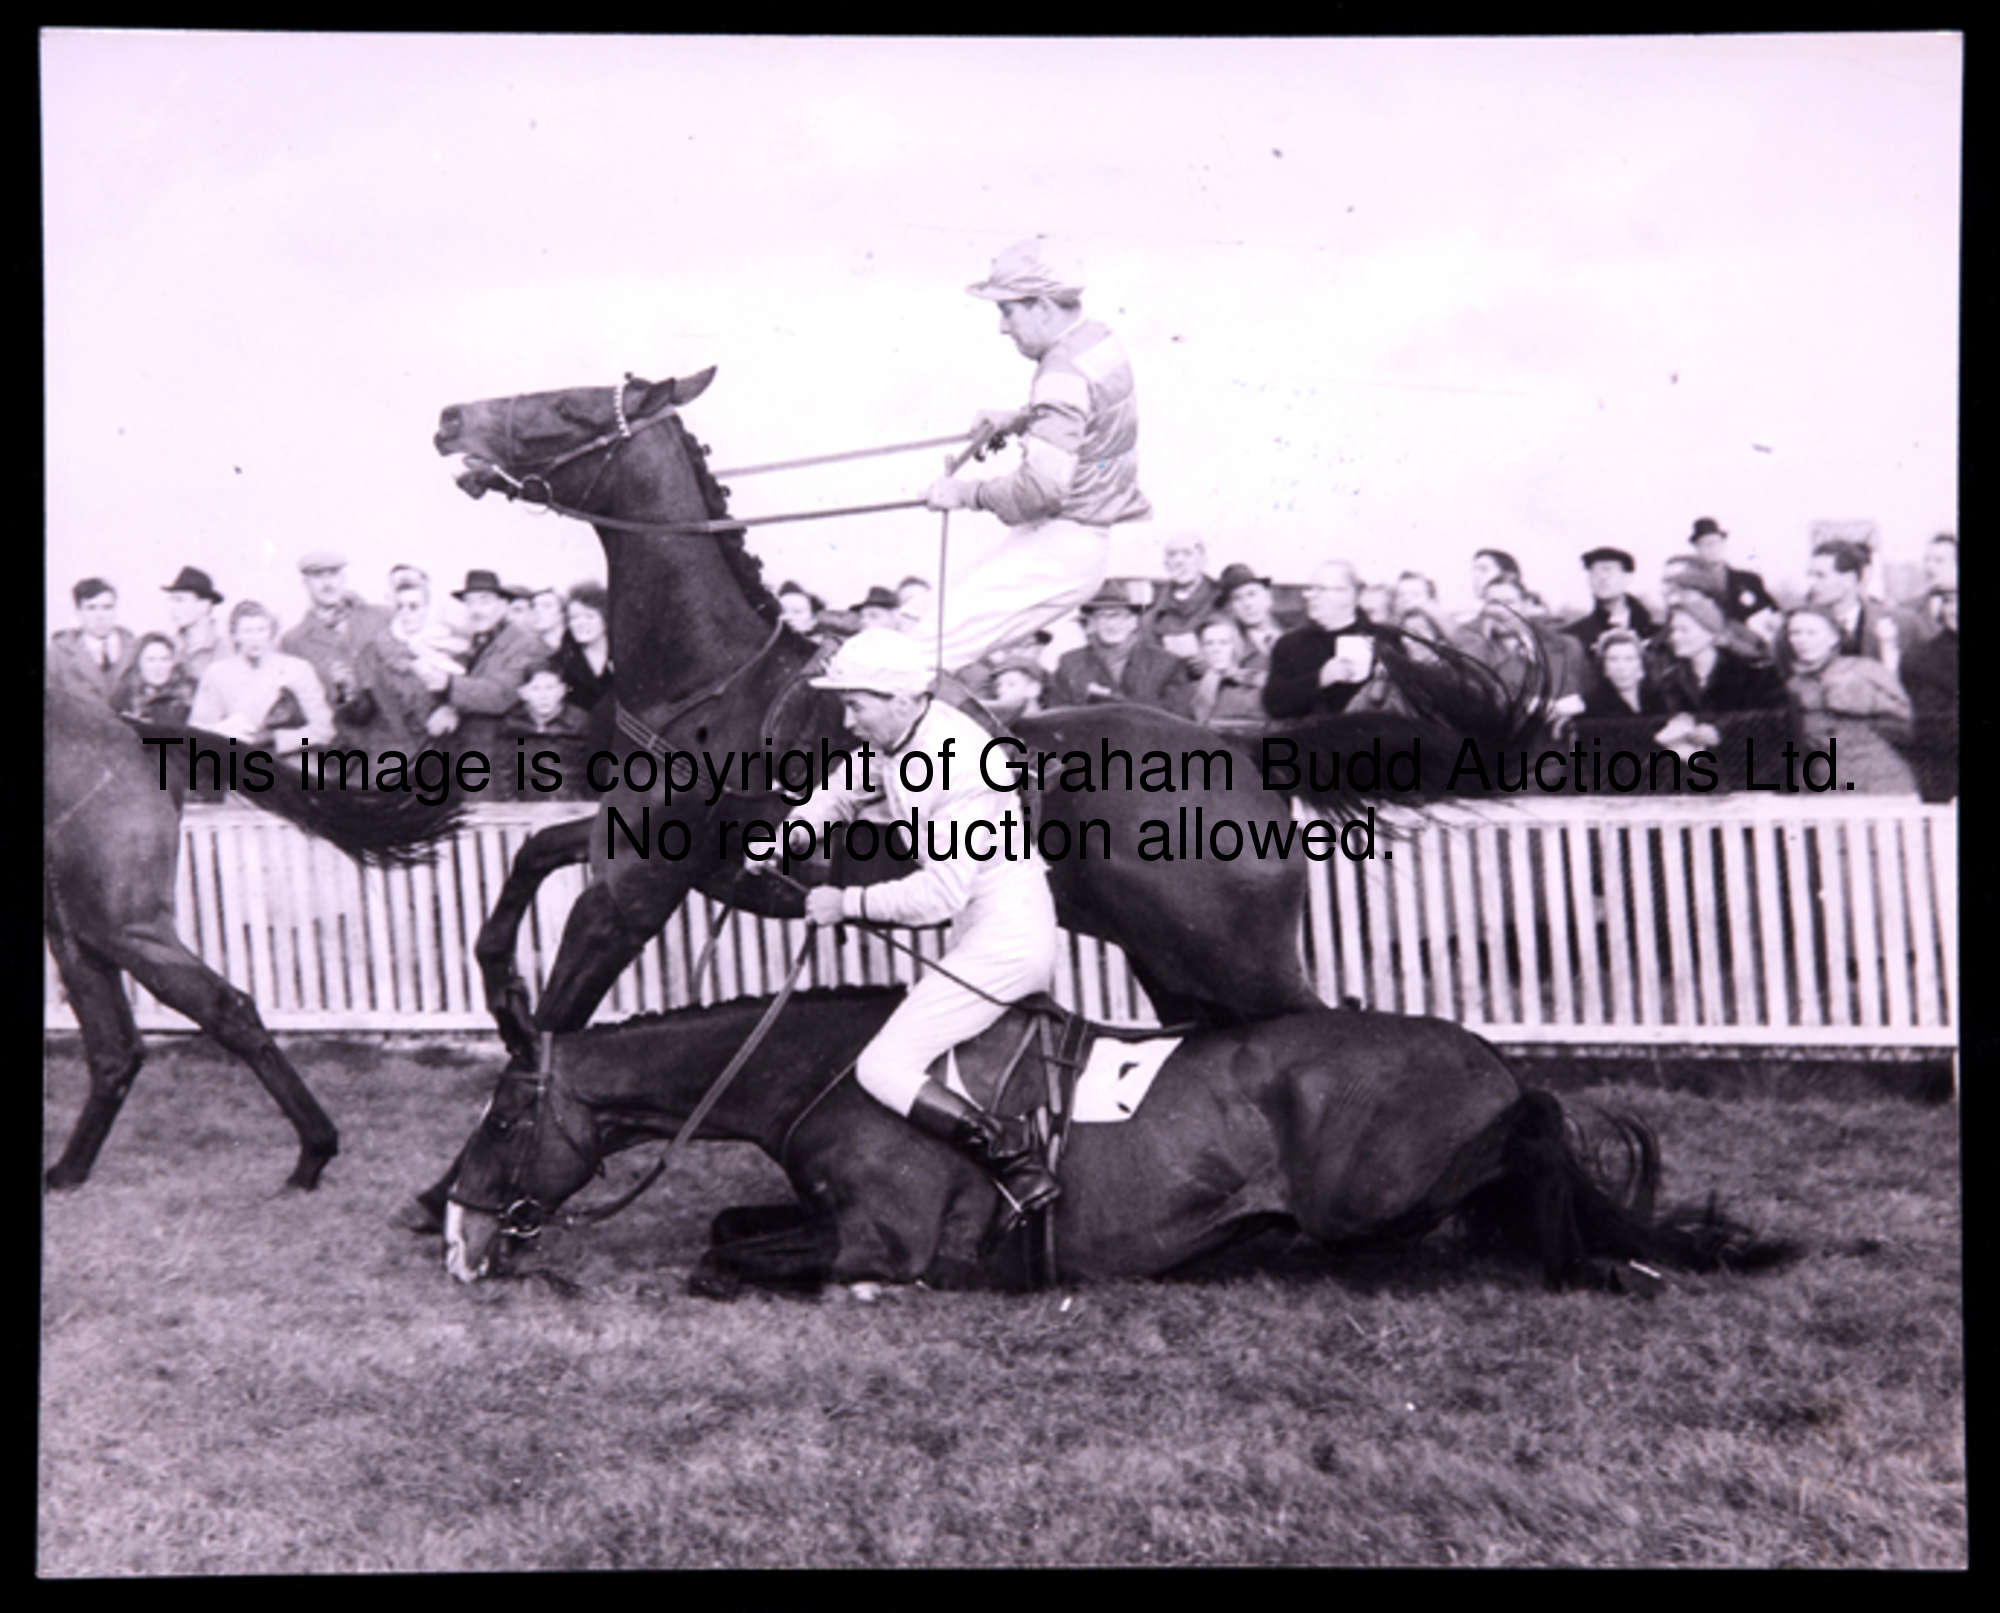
(703, 666)
(1355, 1127)
(111, 837)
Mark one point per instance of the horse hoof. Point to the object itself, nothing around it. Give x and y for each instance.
(305, 1175)
(60, 1180)
(709, 1282)
(418, 1217)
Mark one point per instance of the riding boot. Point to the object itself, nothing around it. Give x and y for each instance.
(1004, 1149)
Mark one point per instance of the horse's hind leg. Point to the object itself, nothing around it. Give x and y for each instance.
(111, 1048)
(794, 1259)
(506, 992)
(159, 961)
(756, 1221)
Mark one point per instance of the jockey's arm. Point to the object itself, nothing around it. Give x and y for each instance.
(1059, 414)
(936, 891)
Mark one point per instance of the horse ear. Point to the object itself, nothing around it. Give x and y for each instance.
(685, 390)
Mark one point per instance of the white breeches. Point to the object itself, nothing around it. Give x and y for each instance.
(1039, 574)
(1004, 943)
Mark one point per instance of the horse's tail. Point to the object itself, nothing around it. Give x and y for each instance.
(381, 828)
(1452, 699)
(1566, 1202)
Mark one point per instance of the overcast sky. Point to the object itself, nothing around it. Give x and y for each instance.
(1392, 300)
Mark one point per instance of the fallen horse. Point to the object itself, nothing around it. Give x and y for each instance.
(1353, 1127)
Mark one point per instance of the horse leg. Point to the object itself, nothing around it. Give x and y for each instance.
(795, 1258)
(599, 942)
(111, 1047)
(755, 1221)
(155, 957)
(506, 992)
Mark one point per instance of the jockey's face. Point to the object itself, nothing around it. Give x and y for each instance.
(880, 719)
(1034, 324)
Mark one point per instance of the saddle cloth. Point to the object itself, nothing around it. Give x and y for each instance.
(1115, 1071)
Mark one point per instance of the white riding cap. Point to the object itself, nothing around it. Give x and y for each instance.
(1030, 268)
(879, 660)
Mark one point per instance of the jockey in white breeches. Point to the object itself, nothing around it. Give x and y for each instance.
(1079, 473)
(1002, 913)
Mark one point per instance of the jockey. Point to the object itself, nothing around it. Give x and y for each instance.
(1004, 917)
(1079, 472)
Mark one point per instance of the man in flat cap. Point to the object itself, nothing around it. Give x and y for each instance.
(191, 602)
(497, 663)
(1079, 471)
(1610, 573)
(334, 628)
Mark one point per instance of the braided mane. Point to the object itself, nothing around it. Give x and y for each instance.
(744, 566)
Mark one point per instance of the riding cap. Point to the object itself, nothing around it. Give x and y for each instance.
(1705, 527)
(879, 661)
(322, 560)
(1234, 576)
(1618, 555)
(1028, 269)
(192, 581)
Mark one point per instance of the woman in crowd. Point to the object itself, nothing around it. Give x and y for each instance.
(157, 688)
(1853, 700)
(584, 658)
(1621, 688)
(1718, 696)
(550, 618)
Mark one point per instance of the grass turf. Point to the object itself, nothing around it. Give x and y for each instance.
(235, 1380)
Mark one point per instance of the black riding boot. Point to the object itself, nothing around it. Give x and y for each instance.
(1004, 1149)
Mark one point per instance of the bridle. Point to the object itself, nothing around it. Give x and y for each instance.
(533, 484)
(525, 1216)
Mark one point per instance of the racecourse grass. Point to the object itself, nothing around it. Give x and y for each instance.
(240, 1381)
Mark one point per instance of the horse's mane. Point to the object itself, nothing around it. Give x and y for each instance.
(744, 566)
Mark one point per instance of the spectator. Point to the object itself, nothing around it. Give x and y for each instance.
(1378, 602)
(1419, 616)
(584, 657)
(1019, 682)
(549, 616)
(1833, 581)
(1493, 565)
(1851, 702)
(543, 720)
(157, 688)
(1688, 576)
(521, 607)
(496, 665)
(334, 628)
(1919, 618)
(392, 707)
(1621, 688)
(1183, 602)
(1322, 666)
(92, 658)
(1245, 600)
(1226, 694)
(1713, 693)
(913, 605)
(1930, 678)
(1415, 592)
(1610, 572)
(1743, 596)
(1113, 665)
(880, 609)
(1567, 662)
(261, 695)
(191, 602)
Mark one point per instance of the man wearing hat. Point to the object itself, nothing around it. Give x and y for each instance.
(191, 602)
(1079, 472)
(1019, 681)
(1610, 573)
(1115, 665)
(880, 609)
(1002, 914)
(336, 625)
(1246, 599)
(1745, 596)
(497, 661)
(91, 659)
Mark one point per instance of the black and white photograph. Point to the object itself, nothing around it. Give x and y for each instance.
(905, 802)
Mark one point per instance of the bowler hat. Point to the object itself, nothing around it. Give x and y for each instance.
(885, 598)
(1110, 596)
(192, 581)
(482, 582)
(322, 560)
(1619, 555)
(1234, 576)
(1705, 527)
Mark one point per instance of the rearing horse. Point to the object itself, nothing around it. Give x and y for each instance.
(704, 665)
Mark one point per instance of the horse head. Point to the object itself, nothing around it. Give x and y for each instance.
(555, 446)
(535, 1145)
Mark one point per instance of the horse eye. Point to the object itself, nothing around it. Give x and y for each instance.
(499, 1125)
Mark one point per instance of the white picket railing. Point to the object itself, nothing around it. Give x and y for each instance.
(1753, 921)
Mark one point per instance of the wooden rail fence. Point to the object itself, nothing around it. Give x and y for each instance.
(1747, 921)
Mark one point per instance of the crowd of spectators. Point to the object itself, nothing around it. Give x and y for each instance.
(512, 668)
